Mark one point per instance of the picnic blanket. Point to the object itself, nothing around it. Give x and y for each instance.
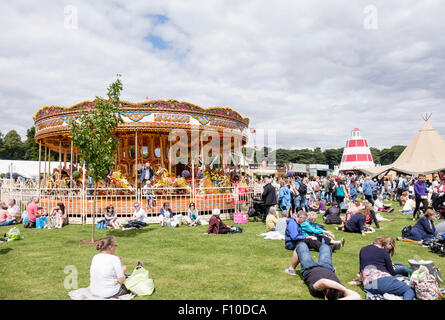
(85, 294)
(272, 235)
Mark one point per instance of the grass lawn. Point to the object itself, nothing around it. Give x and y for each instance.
(183, 262)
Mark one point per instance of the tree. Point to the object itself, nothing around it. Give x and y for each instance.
(2, 147)
(30, 145)
(93, 131)
(13, 146)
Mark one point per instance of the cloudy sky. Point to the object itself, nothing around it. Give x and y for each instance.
(311, 70)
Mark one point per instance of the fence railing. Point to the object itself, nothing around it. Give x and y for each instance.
(80, 202)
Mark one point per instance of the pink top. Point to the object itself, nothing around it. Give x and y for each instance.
(32, 211)
(3, 215)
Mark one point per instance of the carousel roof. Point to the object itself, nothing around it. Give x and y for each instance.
(153, 115)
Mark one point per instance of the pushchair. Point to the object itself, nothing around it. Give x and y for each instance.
(257, 210)
(438, 204)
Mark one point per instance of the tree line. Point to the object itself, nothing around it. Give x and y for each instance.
(331, 157)
(13, 148)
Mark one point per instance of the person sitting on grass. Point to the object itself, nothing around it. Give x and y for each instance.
(281, 222)
(356, 223)
(14, 211)
(332, 215)
(33, 213)
(320, 276)
(403, 198)
(111, 218)
(370, 217)
(271, 219)
(294, 234)
(311, 228)
(409, 206)
(377, 271)
(424, 228)
(216, 225)
(166, 216)
(353, 208)
(192, 218)
(5, 217)
(380, 206)
(139, 216)
(107, 274)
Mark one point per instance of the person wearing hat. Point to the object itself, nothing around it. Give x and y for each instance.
(216, 225)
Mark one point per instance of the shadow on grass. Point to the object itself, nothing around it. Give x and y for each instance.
(5, 250)
(127, 233)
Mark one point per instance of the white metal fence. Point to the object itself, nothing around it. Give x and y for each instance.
(79, 203)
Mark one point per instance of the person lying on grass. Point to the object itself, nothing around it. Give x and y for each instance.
(107, 274)
(320, 276)
(377, 272)
(311, 228)
(216, 225)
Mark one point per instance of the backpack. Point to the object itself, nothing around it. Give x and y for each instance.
(406, 232)
(302, 189)
(425, 285)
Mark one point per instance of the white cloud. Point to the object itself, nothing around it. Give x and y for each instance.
(307, 69)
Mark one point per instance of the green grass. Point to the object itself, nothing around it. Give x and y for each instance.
(183, 262)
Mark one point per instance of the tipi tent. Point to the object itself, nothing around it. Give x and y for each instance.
(425, 154)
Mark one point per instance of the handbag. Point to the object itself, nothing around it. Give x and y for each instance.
(425, 285)
(139, 283)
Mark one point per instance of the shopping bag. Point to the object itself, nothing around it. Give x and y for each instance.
(13, 234)
(139, 283)
(41, 222)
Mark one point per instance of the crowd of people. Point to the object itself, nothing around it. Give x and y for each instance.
(290, 206)
(301, 199)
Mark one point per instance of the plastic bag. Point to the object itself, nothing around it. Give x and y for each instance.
(425, 285)
(139, 283)
(13, 234)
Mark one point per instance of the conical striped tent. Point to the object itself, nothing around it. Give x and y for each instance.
(425, 154)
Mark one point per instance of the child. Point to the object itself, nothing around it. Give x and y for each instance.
(146, 190)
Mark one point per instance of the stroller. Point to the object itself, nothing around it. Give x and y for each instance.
(438, 204)
(257, 211)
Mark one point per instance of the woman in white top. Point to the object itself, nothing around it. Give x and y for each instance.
(107, 274)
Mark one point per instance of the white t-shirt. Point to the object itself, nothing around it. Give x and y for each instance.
(14, 211)
(141, 215)
(104, 271)
(410, 204)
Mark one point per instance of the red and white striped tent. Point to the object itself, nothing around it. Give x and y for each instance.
(356, 154)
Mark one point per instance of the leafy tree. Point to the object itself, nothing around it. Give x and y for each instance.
(2, 146)
(13, 146)
(93, 132)
(30, 145)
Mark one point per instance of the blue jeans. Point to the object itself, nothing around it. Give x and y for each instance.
(301, 202)
(391, 285)
(353, 197)
(401, 269)
(328, 196)
(418, 237)
(306, 261)
(7, 222)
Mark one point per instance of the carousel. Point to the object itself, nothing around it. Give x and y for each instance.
(145, 136)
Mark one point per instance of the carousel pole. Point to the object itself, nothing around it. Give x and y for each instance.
(60, 155)
(40, 167)
(170, 158)
(71, 165)
(64, 160)
(136, 165)
(49, 162)
(44, 178)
